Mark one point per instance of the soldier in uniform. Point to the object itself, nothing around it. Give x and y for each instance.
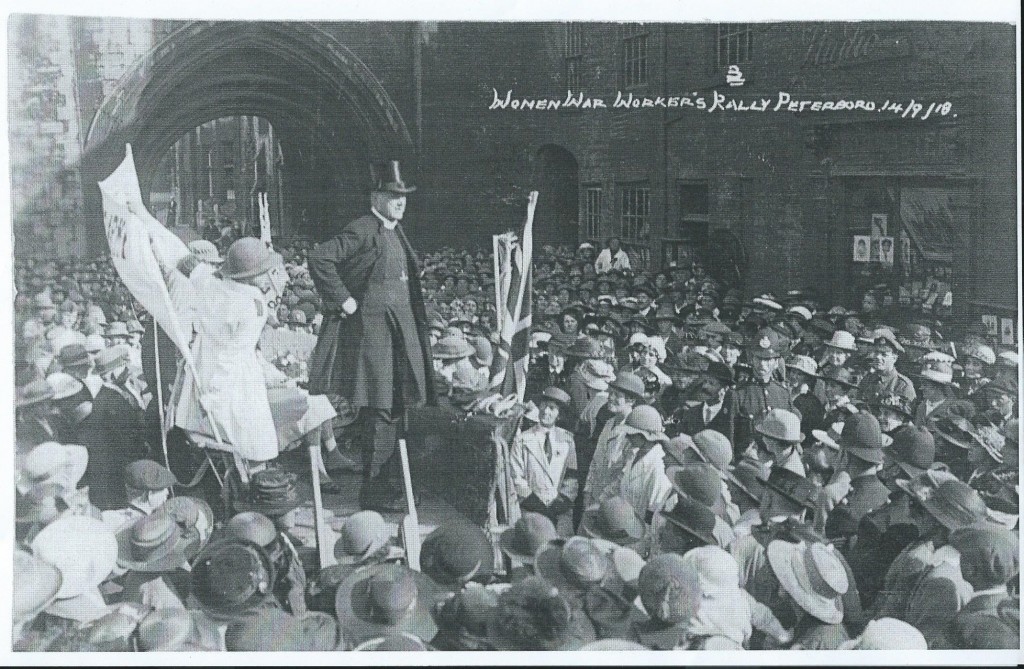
(883, 378)
(754, 398)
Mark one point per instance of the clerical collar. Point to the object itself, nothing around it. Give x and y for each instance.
(389, 224)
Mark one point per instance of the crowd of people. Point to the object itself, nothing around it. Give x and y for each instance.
(693, 470)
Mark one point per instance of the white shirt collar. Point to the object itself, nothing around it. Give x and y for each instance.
(389, 224)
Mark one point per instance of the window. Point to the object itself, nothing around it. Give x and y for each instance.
(573, 39)
(635, 214)
(573, 56)
(693, 213)
(634, 55)
(735, 43)
(592, 211)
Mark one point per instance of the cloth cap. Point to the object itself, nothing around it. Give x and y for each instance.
(149, 475)
(628, 384)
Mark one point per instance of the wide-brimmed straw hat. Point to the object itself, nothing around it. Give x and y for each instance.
(814, 577)
(530, 534)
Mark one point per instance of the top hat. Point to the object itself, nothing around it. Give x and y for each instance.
(387, 177)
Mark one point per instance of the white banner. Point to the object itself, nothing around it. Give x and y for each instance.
(129, 227)
(265, 220)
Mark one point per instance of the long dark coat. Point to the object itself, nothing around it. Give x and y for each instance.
(347, 348)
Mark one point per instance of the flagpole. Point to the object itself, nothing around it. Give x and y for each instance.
(160, 395)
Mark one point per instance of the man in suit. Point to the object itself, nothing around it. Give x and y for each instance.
(374, 344)
(715, 411)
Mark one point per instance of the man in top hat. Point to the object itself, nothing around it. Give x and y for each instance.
(763, 391)
(883, 378)
(374, 344)
(543, 461)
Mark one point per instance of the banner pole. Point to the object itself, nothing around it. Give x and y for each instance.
(160, 394)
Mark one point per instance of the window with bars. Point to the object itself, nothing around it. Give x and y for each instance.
(635, 213)
(634, 55)
(592, 211)
(573, 56)
(735, 43)
(692, 226)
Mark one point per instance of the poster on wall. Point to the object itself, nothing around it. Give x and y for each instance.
(879, 225)
(861, 248)
(1006, 332)
(886, 251)
(991, 324)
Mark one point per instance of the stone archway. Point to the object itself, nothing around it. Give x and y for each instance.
(331, 113)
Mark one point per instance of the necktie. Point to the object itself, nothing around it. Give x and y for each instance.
(548, 450)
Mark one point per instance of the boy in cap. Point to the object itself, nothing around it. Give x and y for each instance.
(148, 485)
(543, 462)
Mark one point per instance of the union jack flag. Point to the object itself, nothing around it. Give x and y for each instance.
(513, 285)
